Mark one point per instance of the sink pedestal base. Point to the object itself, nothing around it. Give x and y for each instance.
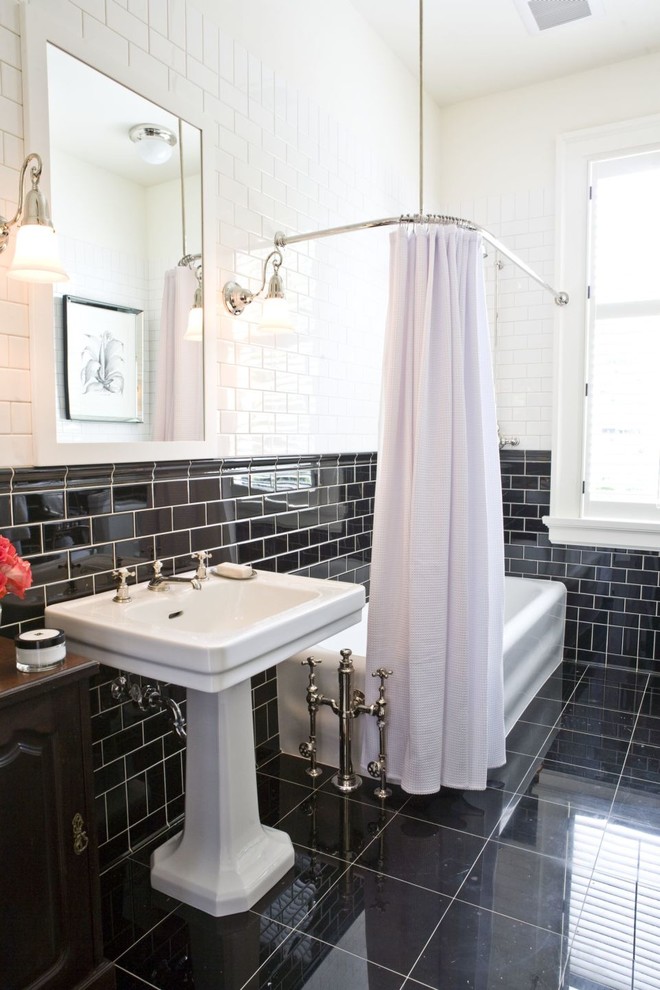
(225, 859)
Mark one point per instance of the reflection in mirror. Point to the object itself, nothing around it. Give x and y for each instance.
(127, 178)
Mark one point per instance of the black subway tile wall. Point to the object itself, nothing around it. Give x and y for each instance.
(613, 615)
(312, 516)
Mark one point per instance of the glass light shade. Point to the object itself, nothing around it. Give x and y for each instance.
(275, 315)
(195, 327)
(36, 255)
(154, 150)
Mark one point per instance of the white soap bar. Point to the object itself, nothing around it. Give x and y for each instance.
(239, 572)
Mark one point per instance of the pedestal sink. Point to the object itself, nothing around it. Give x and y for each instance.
(211, 642)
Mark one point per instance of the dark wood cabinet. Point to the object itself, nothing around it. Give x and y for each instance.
(50, 932)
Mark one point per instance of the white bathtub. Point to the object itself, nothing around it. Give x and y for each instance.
(534, 616)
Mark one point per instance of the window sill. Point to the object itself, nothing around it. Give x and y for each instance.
(604, 533)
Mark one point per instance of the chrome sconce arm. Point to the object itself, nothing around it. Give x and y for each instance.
(236, 297)
(36, 205)
(195, 326)
(35, 256)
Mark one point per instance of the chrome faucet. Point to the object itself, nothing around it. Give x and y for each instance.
(161, 582)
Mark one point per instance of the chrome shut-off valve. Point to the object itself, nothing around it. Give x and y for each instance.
(308, 749)
(149, 697)
(378, 768)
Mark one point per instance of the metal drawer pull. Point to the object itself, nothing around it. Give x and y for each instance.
(80, 839)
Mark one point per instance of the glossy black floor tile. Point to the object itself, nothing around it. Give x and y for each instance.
(192, 949)
(302, 961)
(638, 804)
(476, 812)
(128, 981)
(376, 917)
(592, 753)
(592, 720)
(505, 874)
(642, 763)
(647, 729)
(549, 879)
(574, 788)
(130, 907)
(334, 825)
(611, 688)
(544, 827)
(474, 947)
(423, 853)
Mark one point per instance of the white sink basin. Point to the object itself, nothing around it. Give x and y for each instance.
(211, 641)
(212, 638)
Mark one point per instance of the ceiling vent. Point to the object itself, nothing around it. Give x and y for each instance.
(540, 15)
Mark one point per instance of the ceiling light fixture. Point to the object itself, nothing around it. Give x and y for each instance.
(36, 255)
(154, 143)
(275, 311)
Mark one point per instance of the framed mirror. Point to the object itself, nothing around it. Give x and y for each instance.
(127, 179)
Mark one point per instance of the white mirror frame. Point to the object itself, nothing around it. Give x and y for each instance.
(39, 26)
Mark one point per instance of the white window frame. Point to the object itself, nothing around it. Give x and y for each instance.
(566, 522)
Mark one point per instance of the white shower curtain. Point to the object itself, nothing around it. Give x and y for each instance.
(179, 398)
(437, 575)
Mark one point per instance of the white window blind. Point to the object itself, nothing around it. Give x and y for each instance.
(622, 441)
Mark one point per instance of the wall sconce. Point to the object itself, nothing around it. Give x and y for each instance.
(154, 143)
(36, 256)
(275, 312)
(195, 326)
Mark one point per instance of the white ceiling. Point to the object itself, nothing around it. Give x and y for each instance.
(476, 47)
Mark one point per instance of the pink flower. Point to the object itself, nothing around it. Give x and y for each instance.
(15, 573)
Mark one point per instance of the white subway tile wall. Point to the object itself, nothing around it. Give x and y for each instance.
(522, 322)
(282, 162)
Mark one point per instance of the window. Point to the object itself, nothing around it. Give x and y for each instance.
(606, 454)
(622, 448)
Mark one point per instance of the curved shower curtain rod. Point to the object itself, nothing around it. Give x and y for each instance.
(282, 240)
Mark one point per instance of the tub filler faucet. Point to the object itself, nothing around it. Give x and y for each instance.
(161, 582)
(350, 706)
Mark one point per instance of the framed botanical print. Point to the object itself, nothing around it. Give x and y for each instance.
(103, 356)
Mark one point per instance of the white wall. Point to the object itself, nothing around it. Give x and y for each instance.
(315, 125)
(499, 168)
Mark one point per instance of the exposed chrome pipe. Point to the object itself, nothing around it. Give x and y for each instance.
(148, 697)
(351, 705)
(282, 240)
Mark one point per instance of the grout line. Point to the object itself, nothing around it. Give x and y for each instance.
(134, 976)
(144, 935)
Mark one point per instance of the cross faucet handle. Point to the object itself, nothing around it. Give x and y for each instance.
(121, 574)
(201, 556)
